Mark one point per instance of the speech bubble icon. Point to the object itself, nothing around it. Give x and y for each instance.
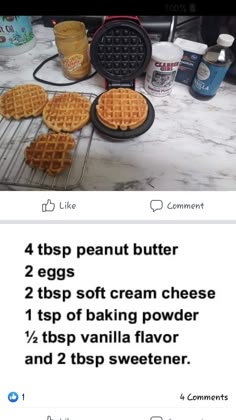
(156, 205)
(156, 418)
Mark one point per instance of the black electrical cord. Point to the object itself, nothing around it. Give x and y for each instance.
(53, 83)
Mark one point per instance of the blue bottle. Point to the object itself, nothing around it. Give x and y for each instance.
(213, 68)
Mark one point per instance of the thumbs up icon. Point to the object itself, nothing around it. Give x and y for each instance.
(13, 396)
(48, 206)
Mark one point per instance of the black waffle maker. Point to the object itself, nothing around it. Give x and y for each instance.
(120, 51)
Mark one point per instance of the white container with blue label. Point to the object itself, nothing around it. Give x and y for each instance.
(16, 35)
(193, 52)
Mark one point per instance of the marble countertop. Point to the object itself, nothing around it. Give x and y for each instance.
(190, 146)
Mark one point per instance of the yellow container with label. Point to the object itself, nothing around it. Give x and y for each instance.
(72, 44)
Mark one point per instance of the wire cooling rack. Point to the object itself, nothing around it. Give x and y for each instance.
(15, 136)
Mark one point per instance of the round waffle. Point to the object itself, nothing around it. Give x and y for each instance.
(122, 108)
(67, 112)
(50, 152)
(23, 101)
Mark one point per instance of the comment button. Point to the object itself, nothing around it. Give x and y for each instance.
(156, 205)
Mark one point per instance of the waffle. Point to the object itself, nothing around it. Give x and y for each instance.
(122, 108)
(23, 101)
(50, 152)
(67, 112)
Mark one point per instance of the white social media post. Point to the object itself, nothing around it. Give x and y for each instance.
(110, 321)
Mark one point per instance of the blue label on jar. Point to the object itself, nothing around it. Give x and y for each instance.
(208, 78)
(15, 31)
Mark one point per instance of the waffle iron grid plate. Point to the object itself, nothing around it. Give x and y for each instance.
(120, 51)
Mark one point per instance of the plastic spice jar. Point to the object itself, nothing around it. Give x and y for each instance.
(72, 44)
(162, 69)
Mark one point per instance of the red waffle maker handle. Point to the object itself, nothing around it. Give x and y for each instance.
(134, 18)
(109, 18)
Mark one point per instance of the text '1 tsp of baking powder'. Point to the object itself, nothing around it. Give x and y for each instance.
(162, 69)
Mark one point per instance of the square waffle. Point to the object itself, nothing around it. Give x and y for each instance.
(50, 152)
(23, 101)
(67, 112)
